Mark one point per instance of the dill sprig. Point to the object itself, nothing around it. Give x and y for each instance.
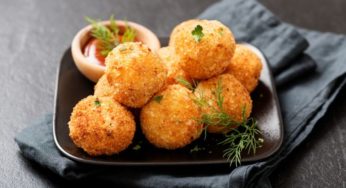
(114, 27)
(244, 137)
(217, 115)
(181, 80)
(129, 34)
(109, 36)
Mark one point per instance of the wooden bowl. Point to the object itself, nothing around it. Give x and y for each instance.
(93, 71)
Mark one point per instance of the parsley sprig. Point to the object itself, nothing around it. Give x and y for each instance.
(158, 98)
(109, 36)
(97, 103)
(197, 33)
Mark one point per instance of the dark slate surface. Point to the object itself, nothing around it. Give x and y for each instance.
(35, 33)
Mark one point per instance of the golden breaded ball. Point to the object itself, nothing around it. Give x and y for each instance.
(236, 99)
(246, 66)
(135, 73)
(101, 126)
(172, 63)
(205, 48)
(103, 88)
(169, 119)
(178, 28)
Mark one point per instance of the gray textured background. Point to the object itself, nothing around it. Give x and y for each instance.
(35, 33)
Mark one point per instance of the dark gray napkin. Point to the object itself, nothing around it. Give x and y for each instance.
(303, 103)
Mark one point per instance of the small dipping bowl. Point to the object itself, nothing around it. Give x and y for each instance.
(94, 71)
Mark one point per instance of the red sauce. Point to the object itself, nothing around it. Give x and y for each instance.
(92, 51)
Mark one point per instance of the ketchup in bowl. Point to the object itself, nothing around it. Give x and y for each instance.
(106, 37)
(92, 52)
(88, 50)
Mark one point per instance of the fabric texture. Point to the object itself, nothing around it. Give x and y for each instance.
(317, 59)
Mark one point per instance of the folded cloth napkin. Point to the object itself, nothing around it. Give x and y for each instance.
(303, 103)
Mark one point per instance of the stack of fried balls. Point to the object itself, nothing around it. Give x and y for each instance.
(199, 51)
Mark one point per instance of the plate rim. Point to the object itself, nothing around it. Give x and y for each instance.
(181, 163)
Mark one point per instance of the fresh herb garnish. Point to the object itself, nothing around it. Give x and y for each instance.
(97, 103)
(109, 36)
(197, 33)
(216, 115)
(158, 98)
(220, 31)
(196, 149)
(113, 26)
(244, 137)
(129, 34)
(137, 147)
(186, 83)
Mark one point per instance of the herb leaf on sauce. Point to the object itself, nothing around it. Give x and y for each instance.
(129, 34)
(108, 36)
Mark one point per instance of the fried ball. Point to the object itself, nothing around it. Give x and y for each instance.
(180, 27)
(172, 63)
(236, 99)
(103, 88)
(246, 66)
(101, 126)
(169, 119)
(135, 73)
(205, 48)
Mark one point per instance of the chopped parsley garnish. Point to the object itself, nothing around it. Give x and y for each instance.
(196, 149)
(197, 33)
(158, 98)
(220, 31)
(137, 147)
(97, 103)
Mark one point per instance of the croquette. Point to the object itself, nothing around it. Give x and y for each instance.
(178, 28)
(135, 73)
(171, 61)
(246, 66)
(236, 99)
(205, 48)
(169, 120)
(101, 126)
(103, 88)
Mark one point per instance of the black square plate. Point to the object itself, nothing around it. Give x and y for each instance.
(72, 86)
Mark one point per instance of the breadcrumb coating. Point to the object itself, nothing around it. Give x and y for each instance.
(172, 63)
(236, 99)
(135, 73)
(246, 66)
(103, 88)
(171, 122)
(208, 57)
(101, 126)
